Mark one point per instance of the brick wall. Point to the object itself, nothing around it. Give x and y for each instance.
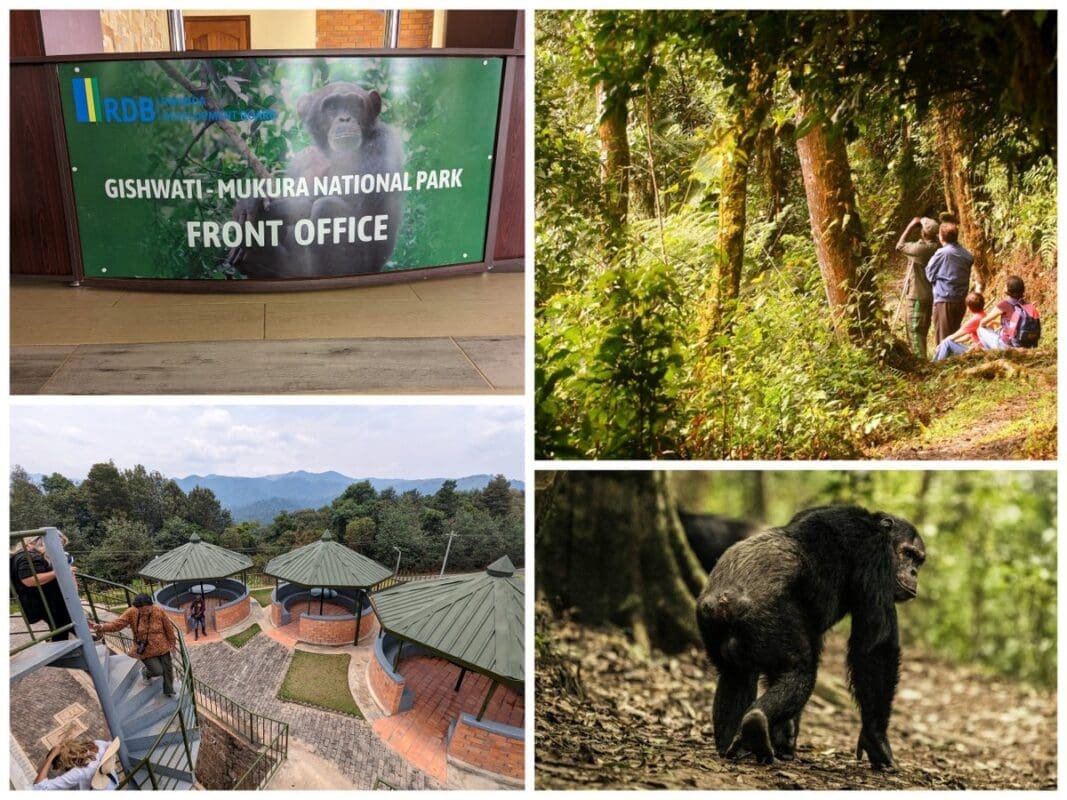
(326, 630)
(231, 615)
(178, 618)
(416, 28)
(276, 614)
(387, 692)
(486, 750)
(367, 29)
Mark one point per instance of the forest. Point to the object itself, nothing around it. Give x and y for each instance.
(719, 199)
(625, 689)
(117, 520)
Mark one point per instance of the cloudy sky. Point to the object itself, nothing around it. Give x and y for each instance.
(405, 441)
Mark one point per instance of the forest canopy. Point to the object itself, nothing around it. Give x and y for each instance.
(718, 199)
(118, 520)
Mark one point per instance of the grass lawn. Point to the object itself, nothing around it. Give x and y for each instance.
(242, 638)
(262, 595)
(320, 680)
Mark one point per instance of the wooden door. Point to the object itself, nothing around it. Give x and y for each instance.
(218, 33)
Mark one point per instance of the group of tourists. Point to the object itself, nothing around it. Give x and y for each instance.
(938, 289)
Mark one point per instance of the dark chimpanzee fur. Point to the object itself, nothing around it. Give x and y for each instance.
(767, 604)
(710, 534)
(349, 139)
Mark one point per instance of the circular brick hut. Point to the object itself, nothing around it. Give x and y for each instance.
(323, 588)
(202, 569)
(477, 623)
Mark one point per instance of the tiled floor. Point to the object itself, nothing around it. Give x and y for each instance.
(462, 334)
(419, 733)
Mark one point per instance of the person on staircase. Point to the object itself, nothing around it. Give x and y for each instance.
(154, 638)
(33, 577)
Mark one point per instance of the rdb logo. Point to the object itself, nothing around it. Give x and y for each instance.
(89, 106)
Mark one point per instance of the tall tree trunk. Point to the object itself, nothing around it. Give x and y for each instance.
(770, 167)
(614, 158)
(836, 229)
(610, 548)
(726, 278)
(962, 194)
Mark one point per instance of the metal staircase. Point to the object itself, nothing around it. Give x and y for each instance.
(160, 735)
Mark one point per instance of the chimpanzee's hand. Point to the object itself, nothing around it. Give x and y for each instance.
(876, 746)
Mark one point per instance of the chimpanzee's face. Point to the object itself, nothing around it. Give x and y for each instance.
(344, 113)
(910, 554)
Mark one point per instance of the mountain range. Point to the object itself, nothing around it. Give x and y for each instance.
(262, 499)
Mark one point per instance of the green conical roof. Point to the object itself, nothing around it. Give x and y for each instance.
(476, 621)
(327, 563)
(195, 560)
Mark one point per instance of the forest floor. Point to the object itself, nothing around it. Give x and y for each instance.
(610, 718)
(983, 406)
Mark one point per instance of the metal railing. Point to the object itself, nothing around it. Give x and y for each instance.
(271, 736)
(45, 548)
(27, 542)
(108, 596)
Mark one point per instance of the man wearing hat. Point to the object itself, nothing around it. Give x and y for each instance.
(84, 764)
(153, 639)
(916, 285)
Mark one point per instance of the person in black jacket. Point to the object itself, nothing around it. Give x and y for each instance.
(34, 580)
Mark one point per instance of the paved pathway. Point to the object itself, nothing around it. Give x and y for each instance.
(252, 676)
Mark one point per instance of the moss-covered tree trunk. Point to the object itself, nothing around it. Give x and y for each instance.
(725, 284)
(614, 158)
(955, 149)
(610, 548)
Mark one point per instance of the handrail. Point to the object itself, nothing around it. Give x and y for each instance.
(185, 687)
(22, 537)
(254, 727)
(73, 588)
(96, 595)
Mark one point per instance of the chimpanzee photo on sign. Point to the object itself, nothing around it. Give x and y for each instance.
(796, 630)
(280, 168)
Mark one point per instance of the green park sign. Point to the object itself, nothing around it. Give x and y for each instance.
(280, 168)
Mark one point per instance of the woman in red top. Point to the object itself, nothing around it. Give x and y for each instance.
(976, 305)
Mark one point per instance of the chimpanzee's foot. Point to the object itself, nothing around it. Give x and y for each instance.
(755, 737)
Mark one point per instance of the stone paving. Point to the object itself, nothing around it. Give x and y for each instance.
(252, 676)
(419, 733)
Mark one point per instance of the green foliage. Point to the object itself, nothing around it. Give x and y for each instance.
(239, 640)
(779, 383)
(607, 358)
(125, 548)
(987, 593)
(487, 523)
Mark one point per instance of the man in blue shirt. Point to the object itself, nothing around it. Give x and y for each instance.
(949, 271)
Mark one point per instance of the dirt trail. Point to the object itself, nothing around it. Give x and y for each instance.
(645, 723)
(983, 406)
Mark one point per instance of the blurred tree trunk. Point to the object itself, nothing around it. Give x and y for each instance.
(755, 495)
(614, 158)
(955, 148)
(610, 548)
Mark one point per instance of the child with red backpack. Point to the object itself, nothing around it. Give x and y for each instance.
(1020, 324)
